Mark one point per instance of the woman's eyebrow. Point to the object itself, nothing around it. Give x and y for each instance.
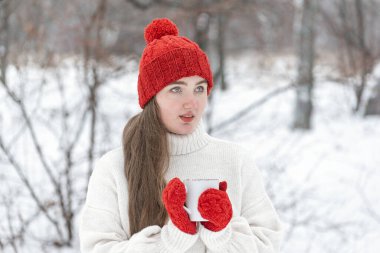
(184, 83)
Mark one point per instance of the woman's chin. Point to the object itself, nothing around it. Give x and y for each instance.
(186, 128)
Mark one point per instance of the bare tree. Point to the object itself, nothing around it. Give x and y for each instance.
(304, 106)
(58, 208)
(5, 11)
(355, 31)
(92, 54)
(373, 105)
(222, 19)
(251, 107)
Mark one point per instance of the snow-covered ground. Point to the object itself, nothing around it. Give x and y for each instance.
(324, 182)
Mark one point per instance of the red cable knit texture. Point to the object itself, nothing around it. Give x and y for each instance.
(174, 198)
(215, 206)
(168, 57)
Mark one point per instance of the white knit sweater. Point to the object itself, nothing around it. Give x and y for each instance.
(255, 226)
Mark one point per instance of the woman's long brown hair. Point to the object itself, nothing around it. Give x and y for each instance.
(146, 158)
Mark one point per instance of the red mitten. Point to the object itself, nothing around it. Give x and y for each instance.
(215, 206)
(174, 197)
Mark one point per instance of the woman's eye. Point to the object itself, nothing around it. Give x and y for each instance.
(200, 89)
(176, 89)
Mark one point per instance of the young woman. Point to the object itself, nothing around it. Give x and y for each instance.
(135, 199)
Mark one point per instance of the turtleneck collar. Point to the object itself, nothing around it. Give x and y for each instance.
(180, 144)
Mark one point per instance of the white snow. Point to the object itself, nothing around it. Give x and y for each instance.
(317, 179)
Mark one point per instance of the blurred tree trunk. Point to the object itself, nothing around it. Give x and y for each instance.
(367, 64)
(353, 29)
(202, 25)
(92, 56)
(222, 19)
(373, 104)
(304, 83)
(4, 40)
(365, 56)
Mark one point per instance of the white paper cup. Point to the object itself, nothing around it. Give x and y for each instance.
(194, 188)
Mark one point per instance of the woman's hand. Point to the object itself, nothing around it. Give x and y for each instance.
(215, 206)
(146, 240)
(174, 197)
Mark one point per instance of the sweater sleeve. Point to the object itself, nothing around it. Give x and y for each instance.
(257, 229)
(100, 228)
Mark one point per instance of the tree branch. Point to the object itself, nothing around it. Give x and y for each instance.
(249, 108)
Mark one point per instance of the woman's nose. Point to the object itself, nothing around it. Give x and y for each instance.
(190, 102)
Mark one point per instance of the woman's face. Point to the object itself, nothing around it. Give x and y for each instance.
(182, 104)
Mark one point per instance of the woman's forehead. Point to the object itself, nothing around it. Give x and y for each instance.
(190, 79)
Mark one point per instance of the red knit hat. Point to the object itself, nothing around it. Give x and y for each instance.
(167, 58)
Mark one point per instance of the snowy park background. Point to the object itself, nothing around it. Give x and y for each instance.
(68, 87)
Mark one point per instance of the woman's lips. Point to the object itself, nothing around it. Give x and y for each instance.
(186, 119)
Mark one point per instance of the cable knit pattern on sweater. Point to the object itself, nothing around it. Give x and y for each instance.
(255, 226)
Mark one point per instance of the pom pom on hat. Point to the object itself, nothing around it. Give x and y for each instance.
(159, 28)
